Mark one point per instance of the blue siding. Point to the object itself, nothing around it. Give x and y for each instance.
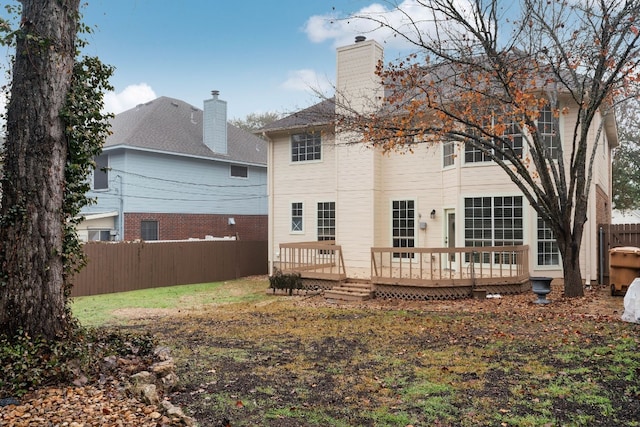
(107, 200)
(159, 183)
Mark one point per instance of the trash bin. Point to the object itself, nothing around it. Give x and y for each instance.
(624, 267)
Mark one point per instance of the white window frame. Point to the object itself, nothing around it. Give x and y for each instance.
(549, 129)
(403, 219)
(296, 210)
(325, 225)
(101, 232)
(546, 241)
(491, 230)
(515, 135)
(448, 154)
(511, 132)
(307, 149)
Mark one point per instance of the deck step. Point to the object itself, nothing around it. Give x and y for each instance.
(349, 291)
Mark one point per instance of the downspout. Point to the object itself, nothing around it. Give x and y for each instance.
(601, 238)
(270, 219)
(120, 209)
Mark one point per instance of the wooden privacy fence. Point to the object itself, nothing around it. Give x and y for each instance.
(614, 236)
(124, 266)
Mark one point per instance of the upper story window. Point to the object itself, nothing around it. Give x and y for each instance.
(548, 128)
(511, 141)
(101, 172)
(306, 147)
(513, 136)
(238, 171)
(473, 154)
(448, 153)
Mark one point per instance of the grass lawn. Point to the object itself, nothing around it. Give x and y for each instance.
(118, 308)
(255, 359)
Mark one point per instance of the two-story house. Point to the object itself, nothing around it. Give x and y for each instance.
(172, 171)
(415, 218)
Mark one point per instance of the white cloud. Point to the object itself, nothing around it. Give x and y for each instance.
(341, 29)
(306, 81)
(131, 96)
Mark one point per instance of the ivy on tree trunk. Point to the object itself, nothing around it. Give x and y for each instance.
(32, 294)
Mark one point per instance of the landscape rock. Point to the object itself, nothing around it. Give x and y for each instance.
(163, 368)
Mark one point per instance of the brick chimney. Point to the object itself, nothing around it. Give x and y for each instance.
(214, 123)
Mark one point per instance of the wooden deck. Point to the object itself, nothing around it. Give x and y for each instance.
(319, 261)
(443, 273)
(415, 273)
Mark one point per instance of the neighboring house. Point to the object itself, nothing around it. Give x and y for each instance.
(324, 187)
(625, 216)
(172, 171)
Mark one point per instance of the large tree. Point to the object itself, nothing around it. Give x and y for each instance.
(32, 215)
(255, 121)
(486, 74)
(626, 159)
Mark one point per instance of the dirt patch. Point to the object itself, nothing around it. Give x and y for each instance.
(597, 302)
(300, 361)
(145, 313)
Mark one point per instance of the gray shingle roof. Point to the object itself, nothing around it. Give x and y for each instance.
(319, 114)
(173, 126)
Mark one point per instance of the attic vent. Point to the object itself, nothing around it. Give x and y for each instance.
(175, 104)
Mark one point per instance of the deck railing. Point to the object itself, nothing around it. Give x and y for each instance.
(449, 266)
(313, 260)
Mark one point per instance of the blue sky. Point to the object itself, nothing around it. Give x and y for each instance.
(263, 56)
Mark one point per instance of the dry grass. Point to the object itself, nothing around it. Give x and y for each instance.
(292, 361)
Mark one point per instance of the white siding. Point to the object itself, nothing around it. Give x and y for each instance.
(305, 182)
(364, 182)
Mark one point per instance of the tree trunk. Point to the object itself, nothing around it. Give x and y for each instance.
(32, 291)
(570, 253)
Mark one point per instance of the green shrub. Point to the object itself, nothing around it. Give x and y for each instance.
(289, 281)
(30, 362)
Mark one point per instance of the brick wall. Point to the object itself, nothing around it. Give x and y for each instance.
(184, 226)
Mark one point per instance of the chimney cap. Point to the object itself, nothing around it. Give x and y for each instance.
(215, 92)
(360, 39)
